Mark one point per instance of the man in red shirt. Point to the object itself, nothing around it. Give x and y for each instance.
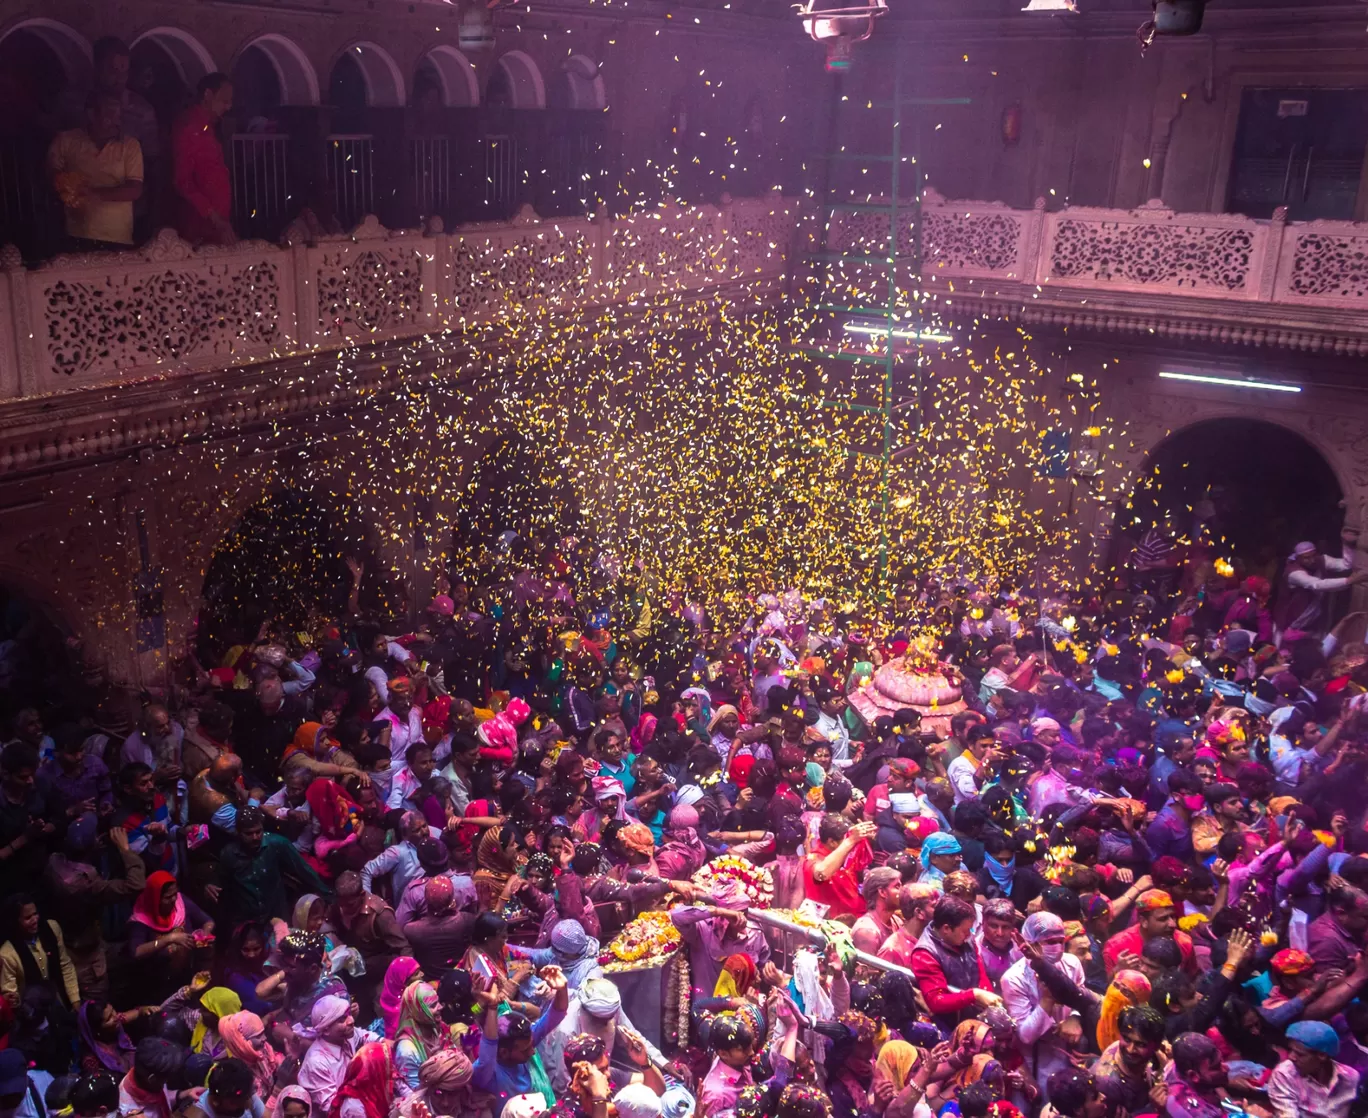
(831, 873)
(917, 902)
(948, 966)
(199, 175)
(1154, 917)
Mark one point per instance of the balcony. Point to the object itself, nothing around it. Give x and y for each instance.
(133, 329)
(153, 336)
(1194, 276)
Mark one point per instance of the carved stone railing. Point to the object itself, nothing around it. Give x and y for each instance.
(1148, 251)
(167, 309)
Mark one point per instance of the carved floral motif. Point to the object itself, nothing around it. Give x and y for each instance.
(554, 264)
(982, 242)
(99, 325)
(1168, 255)
(373, 290)
(1333, 264)
(665, 249)
(760, 239)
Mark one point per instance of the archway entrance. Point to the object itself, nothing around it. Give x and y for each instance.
(1253, 488)
(284, 566)
(518, 502)
(39, 666)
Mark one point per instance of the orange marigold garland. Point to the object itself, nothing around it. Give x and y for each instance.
(648, 941)
(721, 876)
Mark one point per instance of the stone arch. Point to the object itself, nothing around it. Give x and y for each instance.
(523, 80)
(69, 45)
(1338, 436)
(281, 558)
(385, 84)
(1342, 440)
(456, 77)
(497, 494)
(580, 85)
(191, 58)
(296, 74)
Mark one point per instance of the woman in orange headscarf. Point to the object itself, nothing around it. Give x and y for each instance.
(244, 1038)
(1128, 988)
(312, 749)
(638, 844)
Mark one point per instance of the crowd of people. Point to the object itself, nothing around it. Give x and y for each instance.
(360, 872)
(110, 153)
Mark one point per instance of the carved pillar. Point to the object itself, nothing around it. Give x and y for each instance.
(305, 293)
(1158, 160)
(11, 272)
(25, 351)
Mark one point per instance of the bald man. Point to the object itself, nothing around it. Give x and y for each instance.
(217, 793)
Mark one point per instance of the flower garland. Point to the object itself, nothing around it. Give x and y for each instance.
(646, 942)
(716, 878)
(837, 935)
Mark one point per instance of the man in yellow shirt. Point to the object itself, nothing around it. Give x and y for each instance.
(98, 172)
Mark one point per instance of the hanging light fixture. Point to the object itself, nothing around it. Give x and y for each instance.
(1051, 6)
(839, 28)
(1172, 17)
(476, 30)
(1178, 17)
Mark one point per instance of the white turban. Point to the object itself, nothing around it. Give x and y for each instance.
(599, 998)
(524, 1106)
(637, 1100)
(328, 1010)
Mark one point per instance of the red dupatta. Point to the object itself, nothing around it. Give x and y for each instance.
(368, 1081)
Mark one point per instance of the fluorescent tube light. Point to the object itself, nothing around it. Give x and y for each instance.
(1233, 382)
(873, 331)
(1051, 6)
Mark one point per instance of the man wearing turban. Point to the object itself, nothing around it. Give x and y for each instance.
(1294, 981)
(595, 1010)
(1155, 916)
(406, 720)
(941, 854)
(335, 1040)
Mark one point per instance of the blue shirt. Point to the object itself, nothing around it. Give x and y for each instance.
(1170, 833)
(1164, 766)
(622, 771)
(400, 860)
(507, 1080)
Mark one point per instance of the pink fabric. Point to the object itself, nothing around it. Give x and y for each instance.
(396, 981)
(644, 732)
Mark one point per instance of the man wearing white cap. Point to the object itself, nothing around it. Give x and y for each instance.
(524, 1106)
(596, 1009)
(1308, 577)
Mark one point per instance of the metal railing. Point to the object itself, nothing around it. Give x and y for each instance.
(431, 162)
(576, 168)
(351, 174)
(260, 178)
(501, 172)
(30, 215)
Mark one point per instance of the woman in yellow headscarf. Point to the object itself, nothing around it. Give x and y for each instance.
(737, 977)
(1128, 988)
(215, 1002)
(892, 1070)
(896, 1060)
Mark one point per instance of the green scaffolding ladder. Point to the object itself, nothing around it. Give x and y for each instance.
(890, 261)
